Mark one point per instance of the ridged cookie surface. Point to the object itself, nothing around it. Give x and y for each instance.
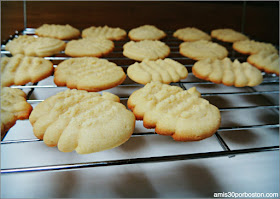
(203, 49)
(146, 32)
(57, 31)
(104, 31)
(89, 47)
(88, 73)
(252, 47)
(191, 34)
(32, 46)
(146, 49)
(266, 61)
(227, 72)
(173, 111)
(165, 71)
(20, 69)
(228, 35)
(13, 107)
(83, 121)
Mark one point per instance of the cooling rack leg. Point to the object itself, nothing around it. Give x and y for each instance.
(30, 92)
(223, 144)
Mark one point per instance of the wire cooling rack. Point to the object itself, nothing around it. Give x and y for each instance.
(239, 108)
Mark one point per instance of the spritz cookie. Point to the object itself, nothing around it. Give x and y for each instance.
(266, 61)
(88, 73)
(191, 34)
(172, 111)
(82, 121)
(146, 32)
(104, 31)
(227, 72)
(89, 47)
(32, 46)
(63, 32)
(253, 47)
(146, 49)
(228, 35)
(13, 107)
(203, 49)
(20, 70)
(162, 70)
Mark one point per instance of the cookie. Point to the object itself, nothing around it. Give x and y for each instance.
(228, 35)
(227, 72)
(13, 107)
(252, 47)
(172, 111)
(35, 46)
(266, 61)
(20, 70)
(88, 73)
(89, 47)
(165, 71)
(104, 31)
(191, 34)
(203, 49)
(63, 32)
(146, 49)
(146, 32)
(82, 121)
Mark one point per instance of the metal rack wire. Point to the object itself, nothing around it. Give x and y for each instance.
(117, 57)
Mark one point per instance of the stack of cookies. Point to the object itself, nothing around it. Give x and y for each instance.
(85, 121)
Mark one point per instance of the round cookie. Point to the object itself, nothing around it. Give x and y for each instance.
(146, 32)
(228, 35)
(20, 70)
(58, 31)
(32, 46)
(227, 72)
(252, 47)
(146, 49)
(165, 71)
(13, 107)
(89, 47)
(104, 31)
(175, 112)
(203, 49)
(82, 121)
(88, 73)
(266, 61)
(191, 34)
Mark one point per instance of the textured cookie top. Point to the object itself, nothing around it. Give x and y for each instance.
(20, 69)
(57, 31)
(13, 107)
(104, 31)
(146, 32)
(228, 35)
(83, 121)
(165, 71)
(266, 61)
(191, 34)
(227, 72)
(32, 46)
(146, 49)
(88, 73)
(89, 47)
(173, 111)
(203, 49)
(253, 47)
